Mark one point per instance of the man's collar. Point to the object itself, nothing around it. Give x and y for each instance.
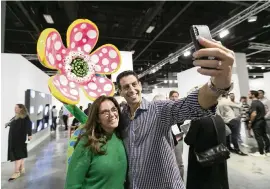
(143, 106)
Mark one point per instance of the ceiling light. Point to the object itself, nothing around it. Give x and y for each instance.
(223, 33)
(262, 67)
(252, 38)
(155, 86)
(175, 81)
(133, 52)
(171, 81)
(150, 29)
(266, 26)
(48, 18)
(165, 81)
(254, 76)
(187, 53)
(252, 19)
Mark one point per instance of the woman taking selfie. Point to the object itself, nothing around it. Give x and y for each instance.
(20, 128)
(99, 159)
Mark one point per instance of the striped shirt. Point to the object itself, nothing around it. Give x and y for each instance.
(149, 145)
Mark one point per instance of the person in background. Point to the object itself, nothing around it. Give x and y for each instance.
(61, 116)
(237, 113)
(258, 124)
(266, 104)
(245, 114)
(202, 136)
(224, 109)
(75, 121)
(99, 159)
(174, 95)
(65, 117)
(20, 131)
(54, 117)
(86, 111)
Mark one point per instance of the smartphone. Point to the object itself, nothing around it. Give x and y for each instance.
(201, 31)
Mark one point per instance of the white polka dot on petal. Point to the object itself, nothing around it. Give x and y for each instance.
(78, 36)
(75, 29)
(92, 86)
(54, 36)
(102, 80)
(112, 54)
(74, 92)
(85, 87)
(100, 54)
(98, 68)
(72, 84)
(99, 90)
(72, 45)
(59, 57)
(92, 34)
(104, 50)
(51, 59)
(114, 65)
(79, 49)
(63, 80)
(106, 70)
(92, 94)
(60, 65)
(84, 40)
(63, 51)
(87, 48)
(107, 87)
(105, 61)
(65, 89)
(57, 45)
(83, 26)
(94, 79)
(95, 58)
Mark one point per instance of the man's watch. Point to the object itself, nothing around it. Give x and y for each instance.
(220, 91)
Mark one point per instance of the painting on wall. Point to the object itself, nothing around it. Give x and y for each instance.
(39, 106)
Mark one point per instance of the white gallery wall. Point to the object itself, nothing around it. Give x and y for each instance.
(266, 88)
(18, 75)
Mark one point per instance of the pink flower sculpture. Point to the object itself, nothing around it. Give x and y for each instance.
(76, 67)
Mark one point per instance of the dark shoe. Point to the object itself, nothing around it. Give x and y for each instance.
(240, 153)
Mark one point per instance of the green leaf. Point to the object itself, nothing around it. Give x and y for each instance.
(77, 113)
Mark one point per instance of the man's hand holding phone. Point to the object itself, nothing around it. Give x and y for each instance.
(222, 73)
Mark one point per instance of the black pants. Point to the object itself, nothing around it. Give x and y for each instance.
(259, 130)
(54, 123)
(65, 119)
(234, 125)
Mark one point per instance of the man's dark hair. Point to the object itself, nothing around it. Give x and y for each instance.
(172, 92)
(243, 97)
(54, 107)
(261, 91)
(255, 93)
(125, 74)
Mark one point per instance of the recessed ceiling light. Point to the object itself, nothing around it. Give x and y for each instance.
(150, 29)
(171, 81)
(175, 81)
(252, 19)
(48, 18)
(133, 52)
(254, 76)
(155, 86)
(165, 81)
(262, 67)
(223, 33)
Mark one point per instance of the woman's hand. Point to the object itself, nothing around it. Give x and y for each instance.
(29, 137)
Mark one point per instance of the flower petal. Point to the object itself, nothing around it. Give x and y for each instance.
(50, 49)
(97, 87)
(107, 59)
(64, 90)
(82, 35)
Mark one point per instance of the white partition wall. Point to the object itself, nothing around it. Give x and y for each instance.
(127, 63)
(18, 75)
(266, 77)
